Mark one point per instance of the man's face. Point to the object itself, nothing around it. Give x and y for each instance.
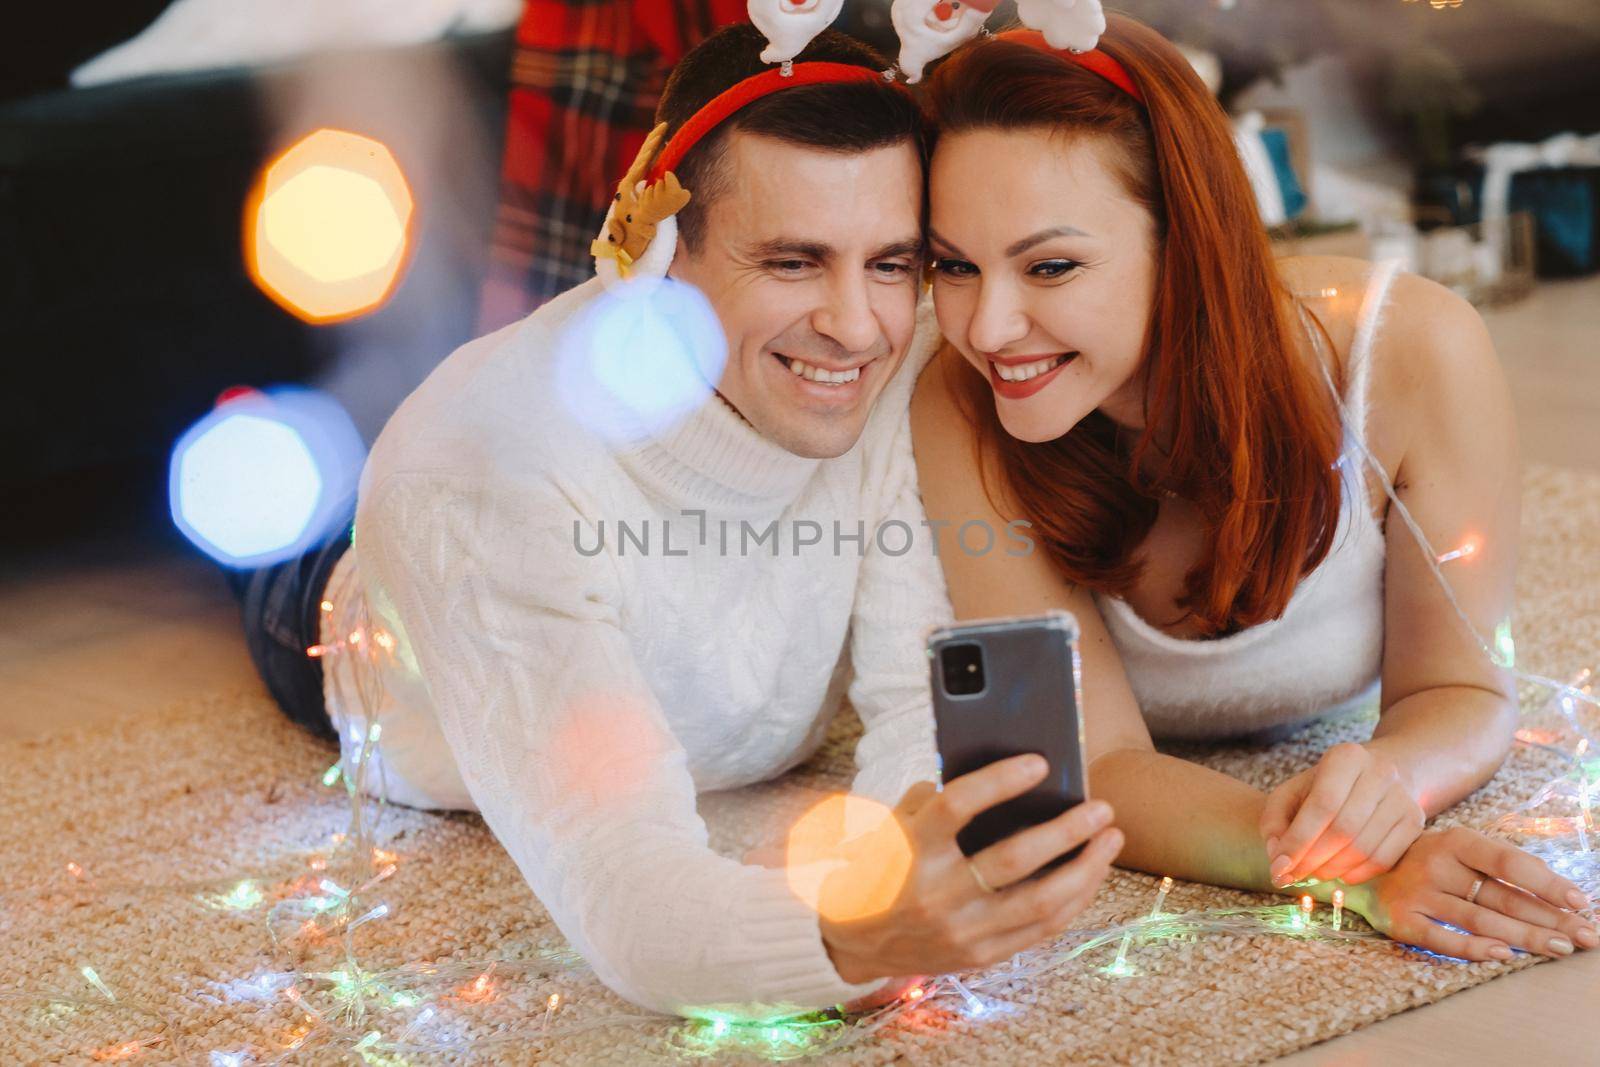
(812, 262)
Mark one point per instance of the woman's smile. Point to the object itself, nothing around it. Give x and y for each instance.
(1019, 377)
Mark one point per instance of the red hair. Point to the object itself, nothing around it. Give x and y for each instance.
(1252, 437)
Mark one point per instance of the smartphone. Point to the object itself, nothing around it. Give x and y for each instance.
(1001, 688)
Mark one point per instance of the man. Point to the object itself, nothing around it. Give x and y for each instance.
(578, 689)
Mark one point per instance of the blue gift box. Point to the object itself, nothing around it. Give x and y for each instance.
(1564, 203)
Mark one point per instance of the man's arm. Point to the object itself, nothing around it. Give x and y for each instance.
(568, 756)
(900, 596)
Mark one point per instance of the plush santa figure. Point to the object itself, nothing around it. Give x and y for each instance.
(790, 26)
(929, 29)
(1073, 25)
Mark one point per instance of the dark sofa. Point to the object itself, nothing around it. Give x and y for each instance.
(124, 304)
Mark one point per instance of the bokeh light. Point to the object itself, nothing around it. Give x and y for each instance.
(848, 857)
(264, 475)
(640, 357)
(327, 226)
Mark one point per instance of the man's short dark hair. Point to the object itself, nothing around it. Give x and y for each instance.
(850, 117)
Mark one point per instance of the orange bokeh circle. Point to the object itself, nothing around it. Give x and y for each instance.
(328, 226)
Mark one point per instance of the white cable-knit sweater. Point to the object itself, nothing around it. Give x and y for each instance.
(579, 702)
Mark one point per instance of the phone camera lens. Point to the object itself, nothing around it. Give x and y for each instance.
(962, 667)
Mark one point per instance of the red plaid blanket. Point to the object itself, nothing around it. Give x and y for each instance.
(584, 85)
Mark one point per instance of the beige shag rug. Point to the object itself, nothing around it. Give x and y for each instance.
(164, 813)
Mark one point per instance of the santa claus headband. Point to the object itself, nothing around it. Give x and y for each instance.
(1093, 60)
(640, 234)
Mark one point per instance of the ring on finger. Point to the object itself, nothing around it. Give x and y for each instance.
(1472, 894)
(977, 876)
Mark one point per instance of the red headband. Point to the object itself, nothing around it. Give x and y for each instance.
(753, 88)
(1093, 60)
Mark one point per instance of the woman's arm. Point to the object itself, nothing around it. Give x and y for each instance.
(1448, 712)
(1439, 403)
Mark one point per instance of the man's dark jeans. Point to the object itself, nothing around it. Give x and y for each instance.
(281, 607)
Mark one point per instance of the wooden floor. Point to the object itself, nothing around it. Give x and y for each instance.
(116, 623)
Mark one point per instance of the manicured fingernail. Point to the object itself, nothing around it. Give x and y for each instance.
(1559, 945)
(1280, 870)
(1036, 765)
(1099, 813)
(1578, 901)
(1588, 938)
(1500, 952)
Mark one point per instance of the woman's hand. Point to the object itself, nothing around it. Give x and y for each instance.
(943, 920)
(1520, 904)
(1348, 818)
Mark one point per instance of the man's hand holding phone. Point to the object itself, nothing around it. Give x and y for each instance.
(959, 913)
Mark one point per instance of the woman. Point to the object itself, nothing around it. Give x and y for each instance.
(1185, 424)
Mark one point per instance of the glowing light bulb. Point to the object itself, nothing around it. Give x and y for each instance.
(481, 987)
(1467, 549)
(243, 897)
(1161, 896)
(974, 1005)
(126, 1050)
(93, 979)
(416, 1024)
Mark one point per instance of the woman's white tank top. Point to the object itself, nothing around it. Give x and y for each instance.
(1322, 655)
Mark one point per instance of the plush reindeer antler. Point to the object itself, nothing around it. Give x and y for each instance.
(635, 213)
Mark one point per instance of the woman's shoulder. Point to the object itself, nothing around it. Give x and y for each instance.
(1424, 331)
(935, 407)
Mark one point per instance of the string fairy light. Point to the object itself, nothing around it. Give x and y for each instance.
(1586, 820)
(1119, 966)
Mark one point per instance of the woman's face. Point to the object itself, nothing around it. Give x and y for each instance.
(1043, 274)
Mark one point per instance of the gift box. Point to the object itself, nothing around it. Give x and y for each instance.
(1565, 205)
(1564, 202)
